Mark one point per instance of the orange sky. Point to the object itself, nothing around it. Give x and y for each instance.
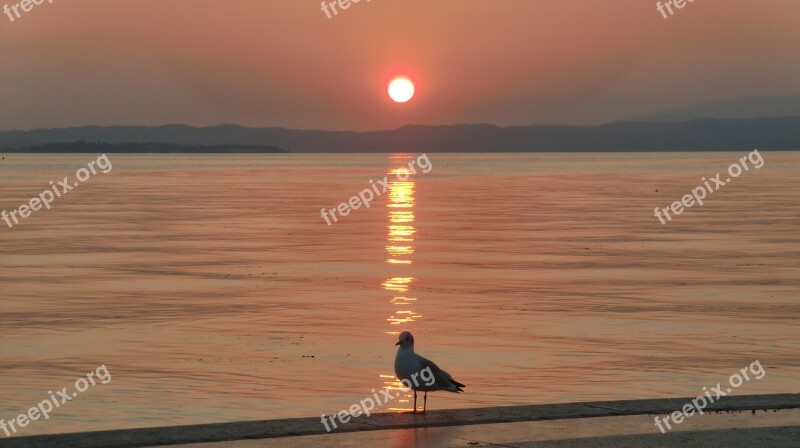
(284, 63)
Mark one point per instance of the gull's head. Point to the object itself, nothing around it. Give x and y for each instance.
(406, 339)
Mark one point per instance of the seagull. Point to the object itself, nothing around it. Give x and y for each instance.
(409, 366)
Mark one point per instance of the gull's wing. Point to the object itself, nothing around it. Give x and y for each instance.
(442, 378)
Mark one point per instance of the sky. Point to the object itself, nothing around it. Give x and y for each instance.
(284, 63)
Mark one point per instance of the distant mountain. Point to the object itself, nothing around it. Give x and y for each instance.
(780, 133)
(150, 147)
(744, 107)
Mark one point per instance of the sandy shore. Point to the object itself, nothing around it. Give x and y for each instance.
(243, 433)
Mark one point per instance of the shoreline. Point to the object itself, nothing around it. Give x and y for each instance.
(266, 429)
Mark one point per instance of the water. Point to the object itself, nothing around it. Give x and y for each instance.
(212, 289)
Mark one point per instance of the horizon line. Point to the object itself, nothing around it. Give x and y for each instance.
(562, 125)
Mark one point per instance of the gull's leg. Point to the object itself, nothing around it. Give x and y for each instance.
(425, 402)
(415, 402)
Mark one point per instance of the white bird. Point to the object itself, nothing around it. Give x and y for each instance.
(409, 366)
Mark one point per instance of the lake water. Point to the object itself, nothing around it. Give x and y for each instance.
(212, 289)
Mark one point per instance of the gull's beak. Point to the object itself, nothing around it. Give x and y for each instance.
(398, 343)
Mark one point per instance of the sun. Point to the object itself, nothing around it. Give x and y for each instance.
(401, 90)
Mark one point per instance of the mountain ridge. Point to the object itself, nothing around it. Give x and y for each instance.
(704, 134)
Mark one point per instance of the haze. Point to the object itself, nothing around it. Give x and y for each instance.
(284, 63)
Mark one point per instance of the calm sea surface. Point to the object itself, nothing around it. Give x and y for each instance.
(212, 289)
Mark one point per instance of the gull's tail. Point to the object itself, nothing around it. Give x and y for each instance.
(454, 385)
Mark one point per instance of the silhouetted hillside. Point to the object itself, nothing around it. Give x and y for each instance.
(779, 133)
(109, 148)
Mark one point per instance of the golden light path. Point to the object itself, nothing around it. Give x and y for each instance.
(400, 248)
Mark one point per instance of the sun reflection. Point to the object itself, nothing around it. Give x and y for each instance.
(397, 284)
(401, 233)
(401, 216)
(393, 385)
(400, 248)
